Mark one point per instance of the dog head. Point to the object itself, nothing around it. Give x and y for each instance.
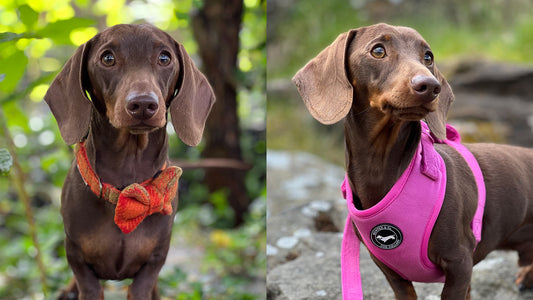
(383, 67)
(131, 74)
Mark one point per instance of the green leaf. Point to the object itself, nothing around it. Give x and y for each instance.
(59, 31)
(11, 36)
(82, 3)
(6, 161)
(13, 66)
(28, 16)
(46, 78)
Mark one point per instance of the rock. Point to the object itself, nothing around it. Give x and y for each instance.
(493, 100)
(501, 79)
(490, 118)
(300, 278)
(291, 233)
(295, 178)
(304, 240)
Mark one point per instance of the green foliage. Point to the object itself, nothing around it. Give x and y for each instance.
(6, 161)
(17, 267)
(176, 280)
(10, 36)
(59, 32)
(28, 16)
(284, 112)
(14, 66)
(235, 259)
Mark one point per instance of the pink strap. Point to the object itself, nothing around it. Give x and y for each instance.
(351, 276)
(430, 163)
(454, 140)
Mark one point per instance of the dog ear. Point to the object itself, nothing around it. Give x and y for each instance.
(437, 120)
(67, 99)
(192, 101)
(323, 83)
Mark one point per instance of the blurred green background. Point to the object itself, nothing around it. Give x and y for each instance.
(210, 257)
(459, 31)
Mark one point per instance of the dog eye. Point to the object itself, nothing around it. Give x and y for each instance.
(428, 58)
(378, 51)
(108, 59)
(164, 59)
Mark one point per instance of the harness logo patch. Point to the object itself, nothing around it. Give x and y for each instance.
(386, 236)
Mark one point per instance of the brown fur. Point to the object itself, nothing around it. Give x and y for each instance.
(124, 147)
(382, 132)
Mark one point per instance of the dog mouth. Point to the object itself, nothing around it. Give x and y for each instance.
(415, 113)
(137, 127)
(142, 128)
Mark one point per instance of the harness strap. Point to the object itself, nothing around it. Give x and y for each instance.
(350, 249)
(477, 221)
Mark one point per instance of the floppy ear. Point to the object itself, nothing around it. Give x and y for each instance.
(67, 99)
(437, 120)
(193, 100)
(323, 83)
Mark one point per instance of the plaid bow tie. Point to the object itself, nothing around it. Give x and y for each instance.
(136, 201)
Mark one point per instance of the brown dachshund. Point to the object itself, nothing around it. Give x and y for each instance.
(383, 80)
(113, 95)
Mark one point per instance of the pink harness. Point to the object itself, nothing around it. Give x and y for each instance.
(397, 238)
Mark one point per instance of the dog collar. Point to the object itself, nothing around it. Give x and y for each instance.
(136, 201)
(396, 237)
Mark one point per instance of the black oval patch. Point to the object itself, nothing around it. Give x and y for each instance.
(386, 236)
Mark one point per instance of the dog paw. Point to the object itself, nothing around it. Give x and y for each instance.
(524, 278)
(66, 295)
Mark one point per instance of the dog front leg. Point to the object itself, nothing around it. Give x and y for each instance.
(144, 285)
(70, 292)
(88, 285)
(403, 289)
(458, 275)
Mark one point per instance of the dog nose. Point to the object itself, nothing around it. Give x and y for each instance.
(426, 87)
(142, 107)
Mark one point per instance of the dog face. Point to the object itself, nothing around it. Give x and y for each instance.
(394, 68)
(390, 69)
(133, 74)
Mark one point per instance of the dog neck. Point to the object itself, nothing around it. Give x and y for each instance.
(378, 150)
(128, 158)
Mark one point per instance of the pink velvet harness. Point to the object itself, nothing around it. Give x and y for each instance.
(397, 229)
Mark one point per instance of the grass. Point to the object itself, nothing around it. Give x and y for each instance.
(291, 127)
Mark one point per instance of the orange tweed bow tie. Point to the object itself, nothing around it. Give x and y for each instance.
(136, 201)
